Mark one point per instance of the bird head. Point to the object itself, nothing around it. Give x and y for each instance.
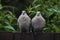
(23, 12)
(38, 13)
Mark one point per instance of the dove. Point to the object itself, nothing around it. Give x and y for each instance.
(38, 22)
(24, 22)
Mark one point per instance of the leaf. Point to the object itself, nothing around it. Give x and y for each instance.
(50, 9)
(36, 6)
(1, 6)
(9, 27)
(58, 11)
(1, 26)
(34, 1)
(54, 10)
(56, 28)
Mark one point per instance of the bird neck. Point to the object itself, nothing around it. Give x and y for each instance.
(38, 15)
(23, 14)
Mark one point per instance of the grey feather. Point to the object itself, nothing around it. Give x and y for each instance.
(38, 22)
(24, 21)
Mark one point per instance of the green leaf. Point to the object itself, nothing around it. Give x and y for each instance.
(9, 27)
(1, 26)
(36, 6)
(34, 1)
(1, 6)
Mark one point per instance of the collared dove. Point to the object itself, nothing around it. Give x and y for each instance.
(24, 22)
(38, 22)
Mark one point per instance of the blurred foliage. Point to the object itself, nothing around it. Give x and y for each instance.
(50, 11)
(7, 20)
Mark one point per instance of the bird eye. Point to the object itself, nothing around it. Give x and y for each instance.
(38, 14)
(23, 13)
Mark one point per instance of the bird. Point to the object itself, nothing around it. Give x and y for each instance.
(24, 22)
(38, 22)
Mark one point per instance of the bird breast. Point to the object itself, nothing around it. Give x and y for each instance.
(24, 20)
(38, 22)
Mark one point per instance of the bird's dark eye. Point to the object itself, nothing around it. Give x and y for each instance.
(23, 13)
(37, 14)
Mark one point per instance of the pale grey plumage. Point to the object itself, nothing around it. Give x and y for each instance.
(24, 21)
(38, 22)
